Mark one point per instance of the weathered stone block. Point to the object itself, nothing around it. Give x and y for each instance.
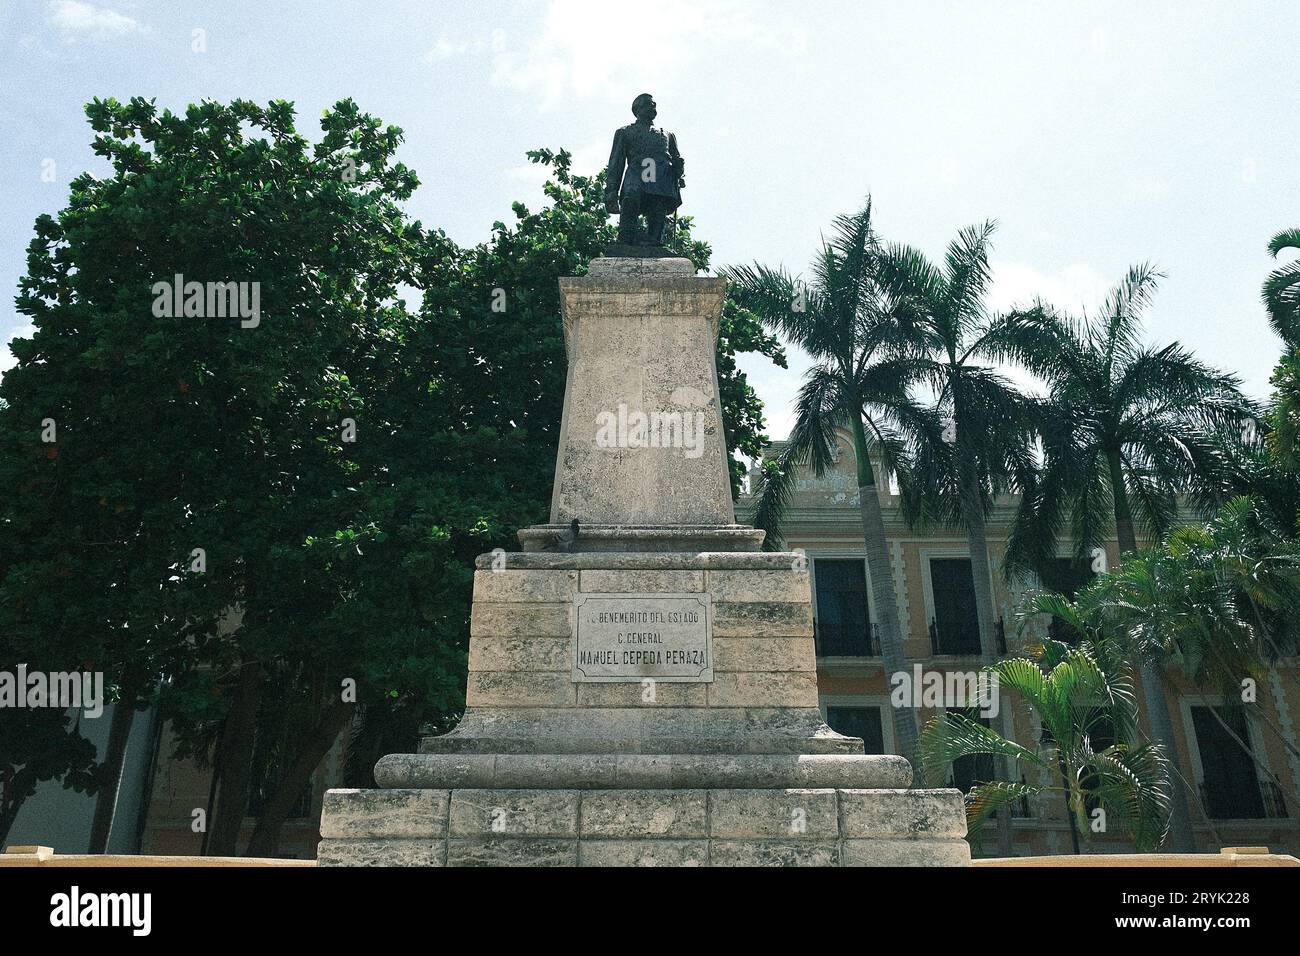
(544, 771)
(504, 814)
(384, 814)
(762, 619)
(506, 619)
(660, 694)
(902, 814)
(643, 853)
(385, 852)
(507, 852)
(764, 654)
(682, 582)
(759, 586)
(774, 853)
(520, 689)
(644, 813)
(449, 771)
(904, 853)
(779, 814)
(760, 689)
(534, 587)
(495, 653)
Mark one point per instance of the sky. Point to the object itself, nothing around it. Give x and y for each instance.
(1097, 135)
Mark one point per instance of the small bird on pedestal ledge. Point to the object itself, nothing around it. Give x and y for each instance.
(644, 178)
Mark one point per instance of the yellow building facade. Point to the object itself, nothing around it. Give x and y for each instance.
(1236, 798)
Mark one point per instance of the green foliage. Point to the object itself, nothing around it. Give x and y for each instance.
(1282, 289)
(327, 561)
(1077, 693)
(1216, 599)
(978, 437)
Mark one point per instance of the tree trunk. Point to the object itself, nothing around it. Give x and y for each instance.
(10, 804)
(265, 841)
(972, 510)
(1123, 515)
(236, 759)
(119, 733)
(1154, 684)
(883, 596)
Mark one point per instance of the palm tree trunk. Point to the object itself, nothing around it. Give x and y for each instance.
(972, 508)
(1154, 683)
(883, 596)
(119, 733)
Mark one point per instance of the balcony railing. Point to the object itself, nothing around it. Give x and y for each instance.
(952, 639)
(846, 642)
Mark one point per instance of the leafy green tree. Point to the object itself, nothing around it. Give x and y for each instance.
(1129, 430)
(36, 745)
(844, 321)
(179, 432)
(1080, 694)
(340, 461)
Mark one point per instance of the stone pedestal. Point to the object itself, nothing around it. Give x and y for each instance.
(642, 692)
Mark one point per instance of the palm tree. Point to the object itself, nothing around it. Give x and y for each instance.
(1207, 599)
(1282, 289)
(1078, 693)
(988, 440)
(1129, 429)
(1282, 297)
(844, 322)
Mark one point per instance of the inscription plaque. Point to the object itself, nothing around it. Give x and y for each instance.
(629, 637)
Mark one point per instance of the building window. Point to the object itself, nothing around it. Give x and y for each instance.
(1230, 788)
(968, 772)
(843, 620)
(955, 628)
(864, 722)
(1065, 576)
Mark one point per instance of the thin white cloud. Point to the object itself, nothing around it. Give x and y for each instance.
(77, 20)
(1072, 289)
(580, 47)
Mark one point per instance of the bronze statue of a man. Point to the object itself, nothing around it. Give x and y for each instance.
(644, 176)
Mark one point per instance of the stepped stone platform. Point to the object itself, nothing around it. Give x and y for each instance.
(642, 681)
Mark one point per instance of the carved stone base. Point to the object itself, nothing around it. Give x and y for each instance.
(642, 827)
(544, 770)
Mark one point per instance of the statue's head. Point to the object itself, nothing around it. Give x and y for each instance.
(643, 107)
